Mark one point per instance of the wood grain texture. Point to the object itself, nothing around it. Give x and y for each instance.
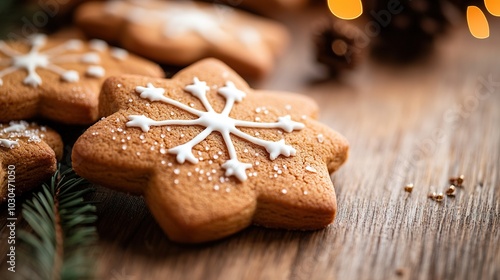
(420, 124)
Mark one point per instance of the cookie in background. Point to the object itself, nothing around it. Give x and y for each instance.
(181, 33)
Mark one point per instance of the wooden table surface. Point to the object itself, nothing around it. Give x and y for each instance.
(420, 124)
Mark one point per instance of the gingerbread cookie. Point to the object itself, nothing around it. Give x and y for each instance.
(181, 33)
(268, 7)
(28, 156)
(212, 156)
(60, 79)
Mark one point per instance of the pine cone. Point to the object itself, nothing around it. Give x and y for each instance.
(410, 30)
(338, 46)
(463, 4)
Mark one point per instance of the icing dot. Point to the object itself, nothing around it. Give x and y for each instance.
(284, 191)
(74, 45)
(98, 45)
(70, 76)
(95, 71)
(119, 53)
(90, 58)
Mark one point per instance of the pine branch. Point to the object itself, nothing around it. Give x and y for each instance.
(63, 230)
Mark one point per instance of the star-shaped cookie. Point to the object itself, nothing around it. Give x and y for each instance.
(60, 79)
(212, 156)
(183, 32)
(28, 156)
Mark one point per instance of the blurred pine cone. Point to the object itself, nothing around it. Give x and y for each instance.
(338, 45)
(408, 32)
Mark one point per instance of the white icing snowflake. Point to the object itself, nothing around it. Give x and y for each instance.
(16, 130)
(213, 121)
(48, 59)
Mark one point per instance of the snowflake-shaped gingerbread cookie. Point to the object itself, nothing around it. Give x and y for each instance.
(183, 32)
(60, 79)
(28, 156)
(212, 156)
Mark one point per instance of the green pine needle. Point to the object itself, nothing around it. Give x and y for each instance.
(63, 229)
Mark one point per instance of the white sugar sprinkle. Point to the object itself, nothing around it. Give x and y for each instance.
(284, 191)
(321, 138)
(311, 169)
(177, 171)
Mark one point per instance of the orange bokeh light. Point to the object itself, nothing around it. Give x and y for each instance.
(346, 9)
(478, 25)
(493, 6)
